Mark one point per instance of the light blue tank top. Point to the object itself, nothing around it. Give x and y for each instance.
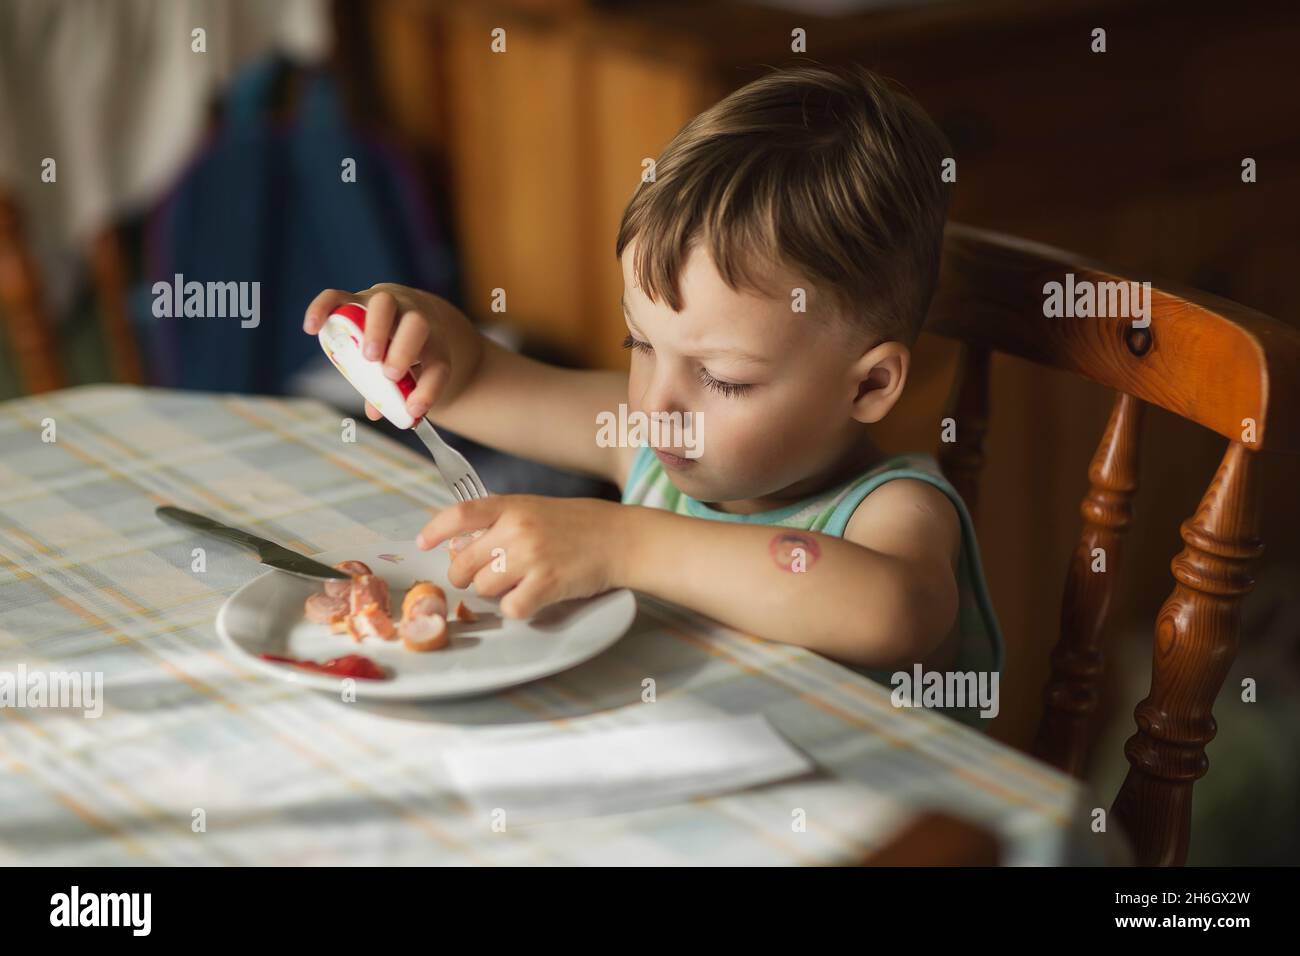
(980, 648)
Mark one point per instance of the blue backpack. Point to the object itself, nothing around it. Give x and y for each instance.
(266, 202)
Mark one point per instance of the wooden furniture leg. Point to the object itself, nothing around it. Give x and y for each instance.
(27, 324)
(108, 264)
(1195, 644)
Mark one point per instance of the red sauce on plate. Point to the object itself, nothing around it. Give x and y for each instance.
(349, 665)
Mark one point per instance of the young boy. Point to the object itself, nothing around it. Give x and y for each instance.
(776, 272)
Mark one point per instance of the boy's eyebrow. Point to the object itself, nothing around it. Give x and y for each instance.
(712, 353)
(734, 353)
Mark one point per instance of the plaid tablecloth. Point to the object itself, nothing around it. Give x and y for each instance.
(197, 760)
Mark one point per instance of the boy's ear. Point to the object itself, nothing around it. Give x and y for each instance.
(879, 375)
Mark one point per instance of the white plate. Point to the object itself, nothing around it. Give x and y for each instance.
(265, 616)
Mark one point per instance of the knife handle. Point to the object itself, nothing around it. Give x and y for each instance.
(214, 528)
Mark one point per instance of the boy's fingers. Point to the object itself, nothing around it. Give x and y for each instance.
(372, 413)
(489, 584)
(526, 599)
(407, 342)
(460, 518)
(320, 307)
(471, 560)
(428, 386)
(380, 312)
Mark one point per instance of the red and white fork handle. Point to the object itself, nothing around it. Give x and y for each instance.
(343, 337)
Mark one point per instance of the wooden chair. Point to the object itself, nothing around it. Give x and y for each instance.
(27, 324)
(1221, 365)
(938, 839)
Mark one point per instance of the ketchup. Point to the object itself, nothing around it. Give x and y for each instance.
(349, 665)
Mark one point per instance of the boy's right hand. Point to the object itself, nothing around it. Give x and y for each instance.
(412, 326)
(468, 384)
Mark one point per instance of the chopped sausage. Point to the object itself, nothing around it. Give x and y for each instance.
(323, 609)
(368, 606)
(424, 618)
(340, 588)
(426, 632)
(463, 613)
(371, 621)
(369, 589)
(426, 607)
(361, 606)
(421, 592)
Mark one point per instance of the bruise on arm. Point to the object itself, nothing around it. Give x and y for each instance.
(794, 551)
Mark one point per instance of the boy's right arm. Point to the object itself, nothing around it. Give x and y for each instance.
(473, 386)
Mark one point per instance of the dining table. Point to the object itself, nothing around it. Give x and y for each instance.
(195, 758)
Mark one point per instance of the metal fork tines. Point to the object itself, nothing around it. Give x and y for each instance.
(459, 475)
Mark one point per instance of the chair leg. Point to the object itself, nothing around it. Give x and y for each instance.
(27, 324)
(109, 266)
(1195, 644)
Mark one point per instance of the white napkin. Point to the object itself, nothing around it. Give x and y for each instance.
(577, 775)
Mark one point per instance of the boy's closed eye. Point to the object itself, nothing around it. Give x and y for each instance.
(635, 344)
(729, 389)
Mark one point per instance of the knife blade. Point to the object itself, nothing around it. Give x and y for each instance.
(268, 552)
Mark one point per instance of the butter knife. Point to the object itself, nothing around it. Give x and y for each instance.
(268, 552)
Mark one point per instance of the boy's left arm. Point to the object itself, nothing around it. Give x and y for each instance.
(885, 595)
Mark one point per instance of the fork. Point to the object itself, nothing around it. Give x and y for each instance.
(340, 337)
(458, 473)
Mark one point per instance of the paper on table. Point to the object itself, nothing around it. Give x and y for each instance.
(575, 775)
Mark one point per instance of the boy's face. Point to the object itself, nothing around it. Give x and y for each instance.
(775, 387)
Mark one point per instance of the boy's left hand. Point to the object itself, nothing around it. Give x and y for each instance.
(551, 549)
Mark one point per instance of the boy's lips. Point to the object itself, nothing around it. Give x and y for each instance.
(674, 461)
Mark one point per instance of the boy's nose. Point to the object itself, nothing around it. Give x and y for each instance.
(660, 396)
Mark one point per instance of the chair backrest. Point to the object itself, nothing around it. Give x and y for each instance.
(1221, 365)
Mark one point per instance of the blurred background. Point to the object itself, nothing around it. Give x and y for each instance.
(479, 170)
